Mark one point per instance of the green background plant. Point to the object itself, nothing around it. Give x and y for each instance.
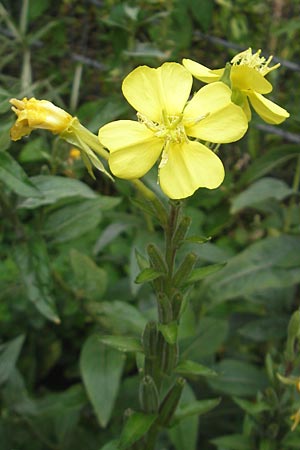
(70, 244)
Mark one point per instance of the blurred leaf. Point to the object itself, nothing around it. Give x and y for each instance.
(54, 188)
(122, 343)
(108, 235)
(187, 368)
(73, 220)
(262, 190)
(201, 272)
(34, 150)
(233, 442)
(90, 280)
(196, 408)
(264, 329)
(37, 8)
(271, 262)
(238, 378)
(135, 427)
(15, 395)
(112, 445)
(210, 335)
(202, 12)
(271, 159)
(9, 353)
(33, 264)
(101, 369)
(14, 177)
(133, 322)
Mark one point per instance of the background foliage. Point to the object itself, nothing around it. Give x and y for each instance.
(69, 243)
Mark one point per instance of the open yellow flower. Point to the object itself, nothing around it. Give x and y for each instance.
(33, 114)
(248, 83)
(165, 120)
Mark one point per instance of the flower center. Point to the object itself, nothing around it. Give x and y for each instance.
(171, 128)
(255, 61)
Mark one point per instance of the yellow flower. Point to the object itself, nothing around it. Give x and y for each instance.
(165, 120)
(33, 114)
(248, 83)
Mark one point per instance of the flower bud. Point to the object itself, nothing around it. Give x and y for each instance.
(149, 397)
(170, 402)
(184, 269)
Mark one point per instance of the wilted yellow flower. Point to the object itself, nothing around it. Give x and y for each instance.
(248, 83)
(296, 418)
(166, 120)
(33, 114)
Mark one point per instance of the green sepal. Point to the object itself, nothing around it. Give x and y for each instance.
(225, 78)
(191, 368)
(201, 272)
(149, 396)
(156, 258)
(122, 343)
(168, 357)
(184, 270)
(181, 231)
(136, 426)
(170, 402)
(150, 339)
(164, 307)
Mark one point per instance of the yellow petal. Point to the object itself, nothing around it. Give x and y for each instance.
(123, 133)
(189, 166)
(133, 148)
(228, 124)
(246, 78)
(269, 111)
(208, 99)
(201, 72)
(151, 91)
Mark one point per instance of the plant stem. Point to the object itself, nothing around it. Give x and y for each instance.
(295, 187)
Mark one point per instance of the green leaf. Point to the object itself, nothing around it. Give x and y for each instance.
(33, 263)
(252, 408)
(198, 239)
(269, 263)
(233, 442)
(192, 368)
(73, 220)
(122, 343)
(272, 158)
(101, 369)
(169, 331)
(238, 378)
(201, 272)
(148, 274)
(9, 353)
(55, 188)
(90, 280)
(136, 426)
(260, 191)
(14, 177)
(196, 408)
